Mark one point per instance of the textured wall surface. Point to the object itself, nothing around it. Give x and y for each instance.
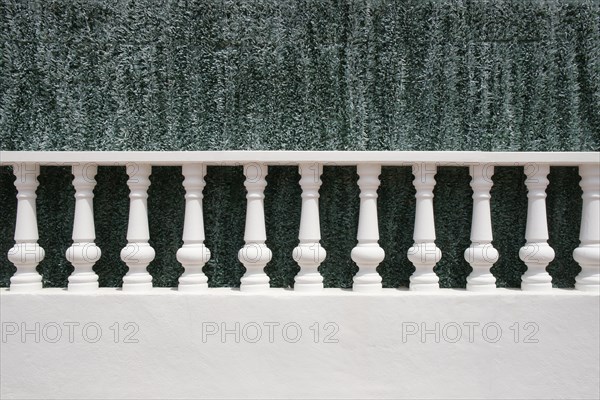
(269, 74)
(175, 353)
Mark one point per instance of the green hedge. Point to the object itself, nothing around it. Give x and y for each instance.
(328, 75)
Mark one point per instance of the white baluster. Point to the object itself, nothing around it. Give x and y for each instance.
(536, 253)
(193, 254)
(26, 254)
(255, 254)
(368, 254)
(83, 253)
(588, 252)
(424, 254)
(481, 254)
(138, 253)
(309, 254)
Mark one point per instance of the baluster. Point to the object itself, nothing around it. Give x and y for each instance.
(193, 254)
(367, 254)
(138, 253)
(424, 254)
(26, 254)
(83, 253)
(536, 253)
(481, 254)
(309, 254)
(255, 254)
(588, 252)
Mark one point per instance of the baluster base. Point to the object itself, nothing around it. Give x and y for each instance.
(368, 281)
(255, 283)
(26, 257)
(308, 287)
(139, 256)
(424, 256)
(83, 256)
(308, 282)
(481, 281)
(137, 282)
(536, 281)
(537, 256)
(535, 287)
(193, 282)
(83, 282)
(423, 286)
(83, 287)
(193, 257)
(367, 257)
(137, 287)
(309, 257)
(481, 257)
(427, 281)
(25, 281)
(478, 287)
(255, 257)
(366, 287)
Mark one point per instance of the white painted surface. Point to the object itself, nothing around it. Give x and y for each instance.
(406, 158)
(375, 356)
(164, 343)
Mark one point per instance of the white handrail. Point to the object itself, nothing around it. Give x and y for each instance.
(284, 157)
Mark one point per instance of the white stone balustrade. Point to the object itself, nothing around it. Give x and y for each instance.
(367, 254)
(424, 254)
(588, 252)
(138, 253)
(309, 253)
(26, 254)
(193, 255)
(481, 254)
(536, 253)
(255, 254)
(83, 253)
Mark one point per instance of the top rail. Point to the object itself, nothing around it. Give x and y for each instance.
(224, 158)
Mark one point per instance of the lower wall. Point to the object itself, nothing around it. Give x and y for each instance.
(282, 344)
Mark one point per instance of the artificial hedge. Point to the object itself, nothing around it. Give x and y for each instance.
(313, 75)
